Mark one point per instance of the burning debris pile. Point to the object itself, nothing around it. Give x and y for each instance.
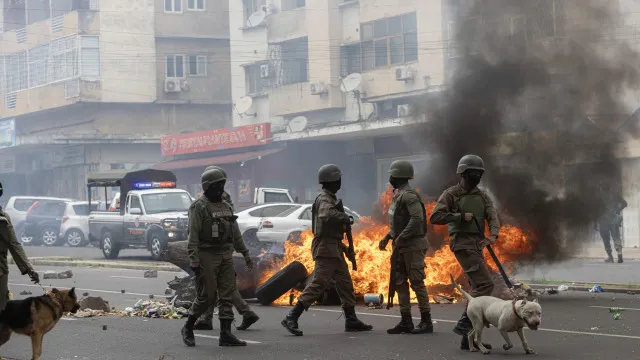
(372, 276)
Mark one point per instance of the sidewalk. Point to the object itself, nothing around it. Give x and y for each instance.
(594, 252)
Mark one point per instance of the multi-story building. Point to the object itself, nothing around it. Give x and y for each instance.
(89, 86)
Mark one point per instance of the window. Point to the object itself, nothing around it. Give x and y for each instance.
(16, 72)
(306, 215)
(173, 6)
(271, 197)
(175, 66)
(135, 203)
(195, 4)
(81, 209)
(277, 211)
(251, 6)
(38, 64)
(197, 65)
(269, 210)
(295, 61)
(166, 202)
(384, 42)
(90, 57)
(292, 4)
(23, 204)
(254, 82)
(63, 59)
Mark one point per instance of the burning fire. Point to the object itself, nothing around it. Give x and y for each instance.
(374, 265)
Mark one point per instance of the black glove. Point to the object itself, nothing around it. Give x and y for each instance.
(248, 263)
(34, 277)
(351, 221)
(196, 270)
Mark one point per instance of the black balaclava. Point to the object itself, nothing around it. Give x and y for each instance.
(397, 182)
(471, 178)
(332, 186)
(214, 191)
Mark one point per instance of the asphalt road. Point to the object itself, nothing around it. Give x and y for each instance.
(575, 326)
(87, 252)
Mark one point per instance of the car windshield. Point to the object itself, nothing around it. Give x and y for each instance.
(166, 202)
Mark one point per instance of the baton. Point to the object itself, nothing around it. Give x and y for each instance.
(495, 258)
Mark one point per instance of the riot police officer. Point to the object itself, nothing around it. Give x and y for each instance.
(328, 225)
(213, 236)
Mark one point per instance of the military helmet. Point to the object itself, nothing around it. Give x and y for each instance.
(215, 167)
(401, 169)
(470, 162)
(329, 173)
(212, 176)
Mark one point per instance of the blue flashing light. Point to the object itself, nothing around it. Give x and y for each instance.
(154, 185)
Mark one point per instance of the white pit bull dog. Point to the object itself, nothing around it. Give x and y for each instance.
(508, 316)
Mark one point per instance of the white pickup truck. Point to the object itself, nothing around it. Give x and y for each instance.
(154, 214)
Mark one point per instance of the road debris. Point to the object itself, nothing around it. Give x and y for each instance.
(596, 289)
(89, 313)
(95, 303)
(154, 309)
(168, 291)
(150, 296)
(441, 299)
(25, 292)
(104, 327)
(122, 291)
(50, 275)
(67, 274)
(85, 294)
(151, 274)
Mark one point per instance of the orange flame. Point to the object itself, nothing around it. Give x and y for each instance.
(374, 265)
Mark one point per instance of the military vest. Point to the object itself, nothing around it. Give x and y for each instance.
(469, 203)
(323, 229)
(217, 221)
(399, 217)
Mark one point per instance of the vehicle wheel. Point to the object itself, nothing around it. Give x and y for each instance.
(251, 239)
(157, 247)
(26, 240)
(50, 237)
(283, 281)
(74, 238)
(110, 250)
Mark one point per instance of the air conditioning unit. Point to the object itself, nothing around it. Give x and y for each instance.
(404, 73)
(265, 71)
(172, 85)
(317, 88)
(405, 110)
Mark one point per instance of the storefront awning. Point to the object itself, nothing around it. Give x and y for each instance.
(215, 160)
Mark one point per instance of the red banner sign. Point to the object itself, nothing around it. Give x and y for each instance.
(218, 139)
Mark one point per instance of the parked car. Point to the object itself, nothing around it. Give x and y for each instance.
(292, 222)
(43, 221)
(17, 208)
(249, 219)
(74, 229)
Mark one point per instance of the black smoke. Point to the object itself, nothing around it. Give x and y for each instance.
(557, 87)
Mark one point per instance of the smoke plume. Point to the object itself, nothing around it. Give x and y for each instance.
(558, 88)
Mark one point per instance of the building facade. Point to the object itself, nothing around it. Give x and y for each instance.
(92, 86)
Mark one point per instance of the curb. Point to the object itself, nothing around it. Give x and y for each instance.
(73, 262)
(608, 288)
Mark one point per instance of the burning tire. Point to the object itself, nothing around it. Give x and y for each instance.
(283, 281)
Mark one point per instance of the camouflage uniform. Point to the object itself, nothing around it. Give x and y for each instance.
(610, 224)
(9, 243)
(213, 236)
(407, 221)
(205, 322)
(465, 239)
(328, 225)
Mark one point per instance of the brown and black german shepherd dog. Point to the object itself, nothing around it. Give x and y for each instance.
(36, 316)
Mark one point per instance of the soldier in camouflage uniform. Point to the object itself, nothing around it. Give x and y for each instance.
(610, 224)
(408, 229)
(213, 236)
(457, 207)
(328, 225)
(205, 322)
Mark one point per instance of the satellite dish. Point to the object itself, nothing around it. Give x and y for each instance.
(256, 18)
(243, 104)
(297, 124)
(351, 82)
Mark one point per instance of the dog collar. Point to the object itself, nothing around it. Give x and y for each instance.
(54, 299)
(513, 306)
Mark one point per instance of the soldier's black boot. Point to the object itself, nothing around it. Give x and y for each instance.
(425, 326)
(404, 326)
(352, 323)
(609, 258)
(226, 337)
(291, 321)
(462, 328)
(187, 331)
(249, 318)
(204, 323)
(619, 258)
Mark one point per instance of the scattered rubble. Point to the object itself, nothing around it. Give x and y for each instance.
(441, 299)
(122, 291)
(168, 291)
(50, 274)
(85, 294)
(104, 327)
(151, 274)
(89, 313)
(150, 296)
(94, 303)
(154, 309)
(25, 292)
(596, 289)
(184, 288)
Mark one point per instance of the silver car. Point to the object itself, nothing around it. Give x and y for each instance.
(18, 207)
(249, 219)
(75, 223)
